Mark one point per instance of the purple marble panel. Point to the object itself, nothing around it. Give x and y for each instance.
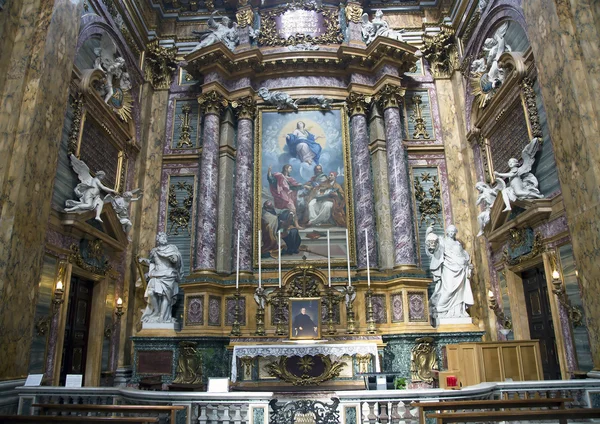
(403, 229)
(397, 307)
(325, 313)
(553, 228)
(416, 307)
(206, 231)
(230, 311)
(242, 213)
(379, 309)
(300, 81)
(213, 77)
(387, 70)
(363, 191)
(194, 310)
(171, 169)
(363, 79)
(355, 32)
(238, 83)
(214, 310)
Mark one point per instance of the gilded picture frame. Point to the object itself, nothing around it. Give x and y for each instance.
(300, 197)
(304, 318)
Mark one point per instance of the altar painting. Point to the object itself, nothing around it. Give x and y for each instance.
(303, 189)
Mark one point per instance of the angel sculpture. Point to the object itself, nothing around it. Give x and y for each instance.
(277, 98)
(495, 47)
(89, 190)
(113, 67)
(522, 183)
(487, 197)
(320, 100)
(260, 297)
(121, 204)
(349, 296)
(377, 27)
(224, 31)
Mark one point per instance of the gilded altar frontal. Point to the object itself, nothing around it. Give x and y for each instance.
(294, 203)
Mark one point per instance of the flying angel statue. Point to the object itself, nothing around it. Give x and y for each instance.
(113, 66)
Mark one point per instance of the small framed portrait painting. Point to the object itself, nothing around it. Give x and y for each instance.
(305, 313)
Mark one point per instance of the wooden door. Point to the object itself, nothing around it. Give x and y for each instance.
(77, 328)
(541, 326)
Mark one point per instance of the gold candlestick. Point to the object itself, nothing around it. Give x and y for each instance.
(371, 329)
(235, 327)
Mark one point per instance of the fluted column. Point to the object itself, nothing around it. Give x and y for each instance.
(403, 229)
(361, 175)
(242, 221)
(212, 104)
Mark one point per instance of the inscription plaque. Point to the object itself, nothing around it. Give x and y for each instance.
(155, 361)
(306, 22)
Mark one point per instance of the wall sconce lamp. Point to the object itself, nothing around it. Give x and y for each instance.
(574, 313)
(502, 318)
(59, 294)
(119, 308)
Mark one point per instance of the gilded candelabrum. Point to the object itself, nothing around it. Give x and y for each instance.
(332, 299)
(279, 302)
(370, 318)
(350, 322)
(235, 327)
(260, 318)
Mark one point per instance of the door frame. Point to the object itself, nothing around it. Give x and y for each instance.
(520, 318)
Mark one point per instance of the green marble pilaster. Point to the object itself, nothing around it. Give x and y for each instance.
(377, 146)
(226, 181)
(564, 40)
(38, 48)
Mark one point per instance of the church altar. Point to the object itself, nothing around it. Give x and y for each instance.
(334, 351)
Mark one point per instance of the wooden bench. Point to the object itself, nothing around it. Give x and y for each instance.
(425, 407)
(114, 409)
(41, 419)
(563, 415)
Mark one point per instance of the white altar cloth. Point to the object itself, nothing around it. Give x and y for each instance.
(335, 352)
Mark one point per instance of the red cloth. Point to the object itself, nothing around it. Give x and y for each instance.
(284, 197)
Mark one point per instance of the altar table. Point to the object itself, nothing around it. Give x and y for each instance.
(334, 351)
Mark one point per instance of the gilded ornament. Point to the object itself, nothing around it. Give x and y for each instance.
(76, 257)
(245, 107)
(159, 65)
(358, 104)
(185, 139)
(73, 140)
(423, 360)
(417, 117)
(280, 370)
(441, 53)
(538, 247)
(189, 365)
(245, 17)
(212, 102)
(532, 110)
(430, 207)
(210, 5)
(353, 12)
(180, 214)
(390, 95)
(363, 362)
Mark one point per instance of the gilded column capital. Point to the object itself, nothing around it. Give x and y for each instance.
(245, 107)
(390, 95)
(358, 104)
(354, 12)
(441, 53)
(245, 17)
(212, 102)
(159, 65)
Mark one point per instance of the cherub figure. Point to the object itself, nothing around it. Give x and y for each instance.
(121, 204)
(495, 47)
(487, 197)
(377, 27)
(522, 184)
(260, 297)
(349, 296)
(224, 31)
(89, 190)
(113, 67)
(277, 98)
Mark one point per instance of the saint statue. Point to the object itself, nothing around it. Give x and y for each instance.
(224, 31)
(166, 271)
(89, 190)
(522, 184)
(451, 269)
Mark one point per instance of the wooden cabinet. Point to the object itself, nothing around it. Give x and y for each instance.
(475, 363)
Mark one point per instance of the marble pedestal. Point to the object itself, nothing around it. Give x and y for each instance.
(172, 326)
(454, 321)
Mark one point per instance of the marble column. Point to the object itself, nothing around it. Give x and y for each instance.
(564, 40)
(38, 47)
(206, 231)
(364, 213)
(403, 228)
(224, 259)
(243, 182)
(381, 189)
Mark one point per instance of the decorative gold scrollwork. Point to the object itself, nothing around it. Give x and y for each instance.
(417, 117)
(245, 17)
(423, 360)
(73, 141)
(159, 65)
(180, 215)
(441, 53)
(354, 12)
(280, 370)
(430, 208)
(358, 104)
(95, 252)
(532, 110)
(538, 247)
(212, 102)
(189, 365)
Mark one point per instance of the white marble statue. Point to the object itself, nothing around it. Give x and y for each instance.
(377, 27)
(522, 184)
(451, 269)
(112, 65)
(320, 100)
(495, 47)
(482, 5)
(260, 297)
(121, 204)
(224, 31)
(89, 190)
(166, 271)
(487, 197)
(349, 296)
(277, 98)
